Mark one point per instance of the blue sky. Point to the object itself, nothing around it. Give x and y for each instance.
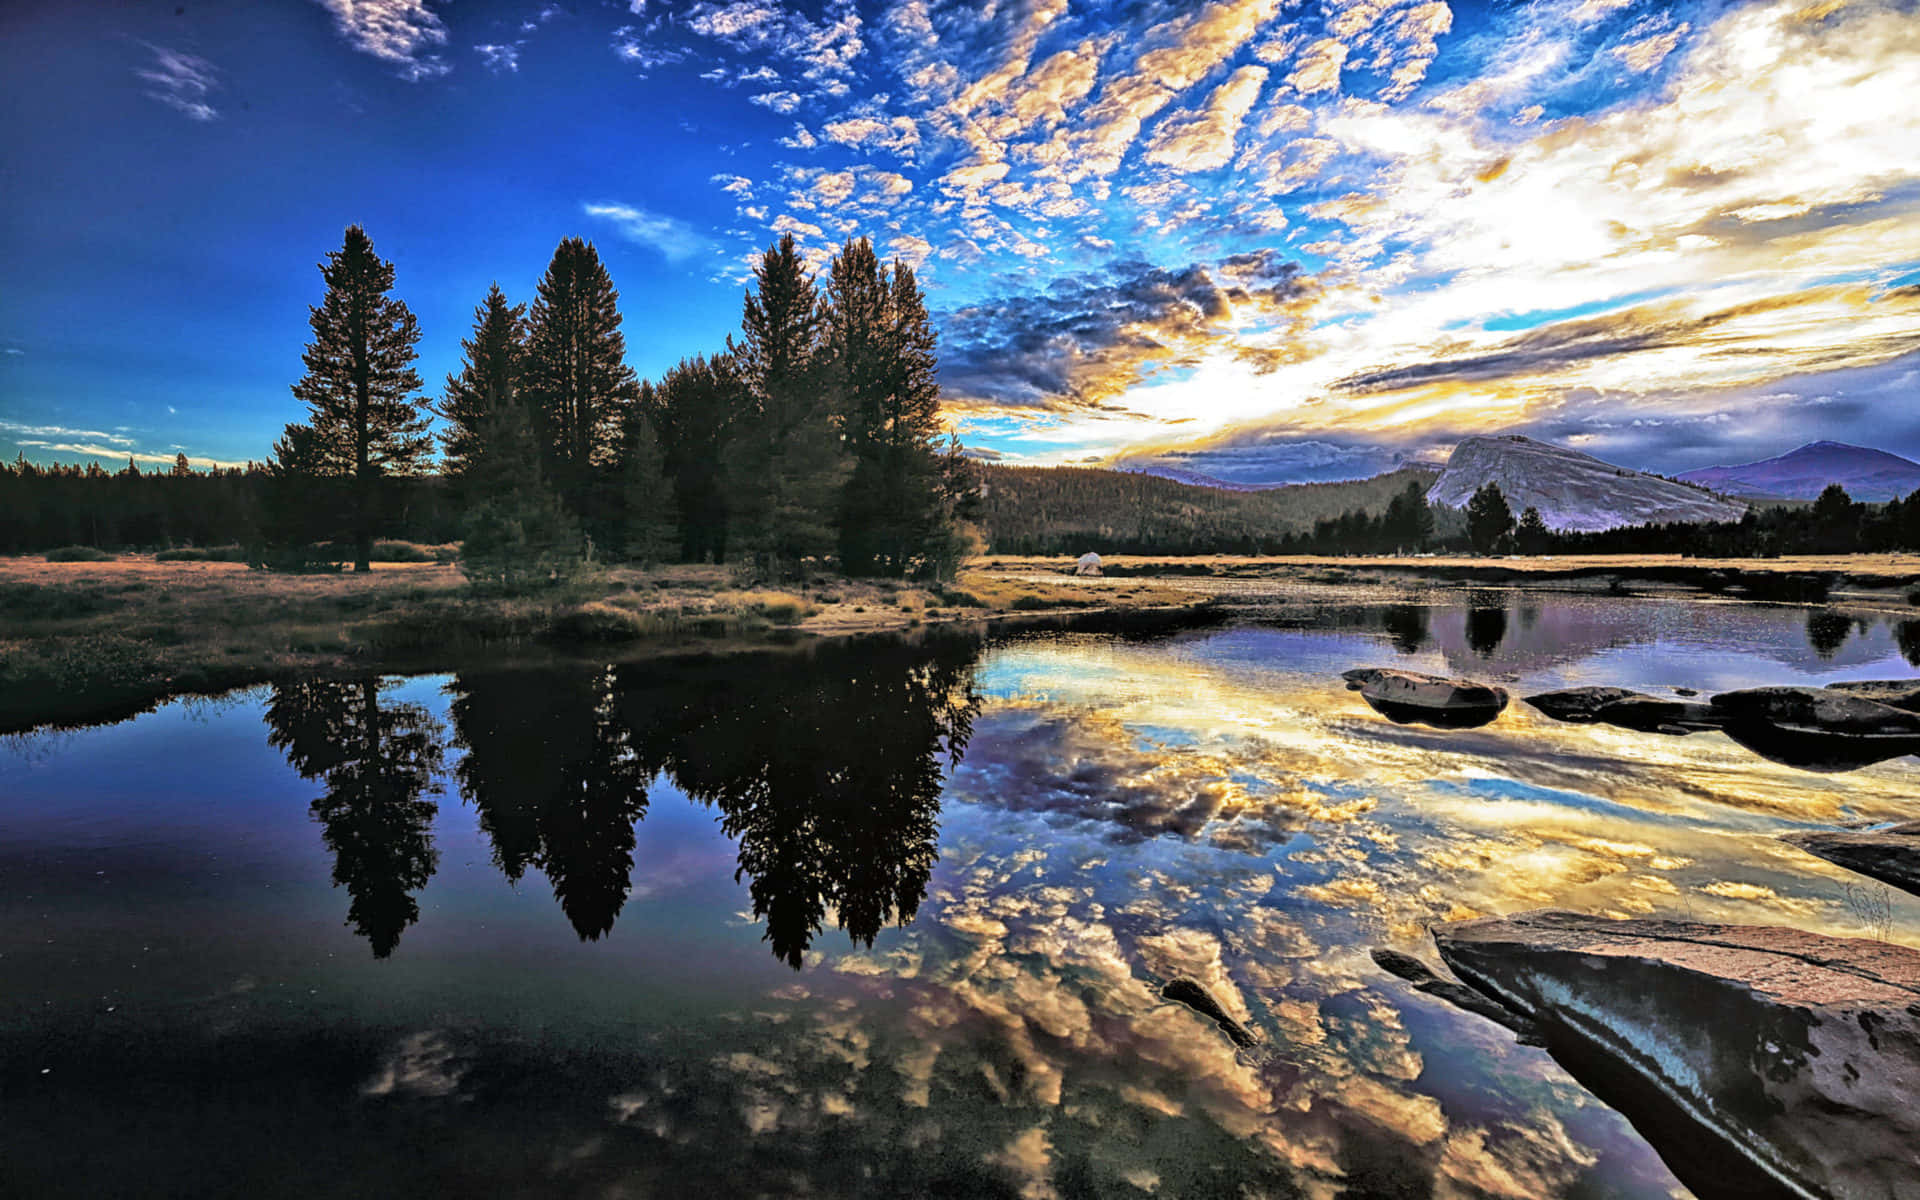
(1263, 239)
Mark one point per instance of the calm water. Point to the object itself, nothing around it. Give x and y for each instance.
(880, 922)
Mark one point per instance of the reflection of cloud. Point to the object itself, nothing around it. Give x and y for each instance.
(420, 1064)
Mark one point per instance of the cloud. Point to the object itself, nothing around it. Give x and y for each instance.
(1085, 341)
(674, 239)
(499, 58)
(1648, 53)
(898, 135)
(627, 44)
(393, 31)
(1318, 69)
(780, 102)
(182, 82)
(1202, 139)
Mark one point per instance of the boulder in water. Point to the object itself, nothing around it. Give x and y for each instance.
(1894, 693)
(1581, 704)
(1890, 855)
(1798, 1055)
(1408, 696)
(1089, 564)
(1820, 729)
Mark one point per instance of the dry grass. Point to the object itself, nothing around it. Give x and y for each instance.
(85, 640)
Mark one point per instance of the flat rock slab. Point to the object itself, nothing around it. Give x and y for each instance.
(1409, 696)
(1894, 693)
(1628, 710)
(1890, 855)
(1819, 729)
(1582, 704)
(1798, 1053)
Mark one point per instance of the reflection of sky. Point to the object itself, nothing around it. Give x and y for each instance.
(1213, 806)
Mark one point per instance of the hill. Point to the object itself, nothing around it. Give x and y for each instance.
(1573, 491)
(1801, 474)
(1070, 510)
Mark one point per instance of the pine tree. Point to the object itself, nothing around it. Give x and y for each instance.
(181, 468)
(577, 379)
(489, 377)
(1409, 519)
(1532, 535)
(697, 410)
(1489, 520)
(365, 423)
(519, 533)
(648, 525)
(900, 504)
(788, 456)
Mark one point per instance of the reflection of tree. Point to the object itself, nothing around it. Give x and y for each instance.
(556, 786)
(1907, 636)
(828, 771)
(377, 762)
(1486, 628)
(1406, 624)
(1827, 631)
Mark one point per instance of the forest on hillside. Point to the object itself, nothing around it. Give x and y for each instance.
(1071, 510)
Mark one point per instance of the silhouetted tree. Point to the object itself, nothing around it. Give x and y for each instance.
(181, 468)
(1836, 521)
(647, 528)
(488, 380)
(365, 422)
(1489, 520)
(789, 463)
(1409, 520)
(695, 411)
(1486, 626)
(377, 763)
(519, 532)
(1532, 535)
(577, 378)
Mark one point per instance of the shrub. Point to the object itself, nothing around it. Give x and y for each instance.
(1028, 603)
(402, 552)
(79, 554)
(597, 622)
(202, 554)
(958, 599)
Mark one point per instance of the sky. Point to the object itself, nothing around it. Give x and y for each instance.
(1258, 240)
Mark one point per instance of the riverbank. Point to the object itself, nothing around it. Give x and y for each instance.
(87, 642)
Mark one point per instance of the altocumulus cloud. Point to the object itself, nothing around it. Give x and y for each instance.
(393, 31)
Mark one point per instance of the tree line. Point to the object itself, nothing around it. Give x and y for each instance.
(813, 438)
(816, 435)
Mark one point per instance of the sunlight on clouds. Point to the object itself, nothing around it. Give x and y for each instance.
(394, 31)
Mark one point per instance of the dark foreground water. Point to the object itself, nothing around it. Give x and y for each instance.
(883, 922)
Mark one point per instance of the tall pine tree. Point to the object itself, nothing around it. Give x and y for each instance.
(788, 457)
(577, 379)
(647, 526)
(517, 532)
(489, 377)
(899, 511)
(365, 422)
(696, 412)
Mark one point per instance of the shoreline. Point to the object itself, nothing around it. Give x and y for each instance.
(91, 643)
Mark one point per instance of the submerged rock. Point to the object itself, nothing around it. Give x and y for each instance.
(1798, 1054)
(1817, 728)
(1408, 696)
(1200, 1000)
(1426, 979)
(1894, 693)
(1890, 855)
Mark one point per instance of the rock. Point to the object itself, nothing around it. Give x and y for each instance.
(1819, 729)
(1197, 998)
(1890, 855)
(1408, 696)
(1894, 693)
(1628, 710)
(1688, 692)
(1798, 1054)
(1581, 704)
(1425, 979)
(1089, 564)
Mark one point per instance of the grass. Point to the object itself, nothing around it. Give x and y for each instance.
(98, 639)
(202, 554)
(79, 554)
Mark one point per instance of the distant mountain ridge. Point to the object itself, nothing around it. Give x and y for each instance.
(1801, 474)
(1573, 491)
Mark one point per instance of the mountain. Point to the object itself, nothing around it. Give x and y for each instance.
(1573, 491)
(1802, 474)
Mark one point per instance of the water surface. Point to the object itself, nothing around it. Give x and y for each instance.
(882, 920)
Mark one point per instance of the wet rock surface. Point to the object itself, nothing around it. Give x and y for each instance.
(1894, 693)
(1200, 1000)
(1798, 1055)
(1819, 729)
(1411, 697)
(1424, 978)
(1889, 855)
(1582, 704)
(1628, 710)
